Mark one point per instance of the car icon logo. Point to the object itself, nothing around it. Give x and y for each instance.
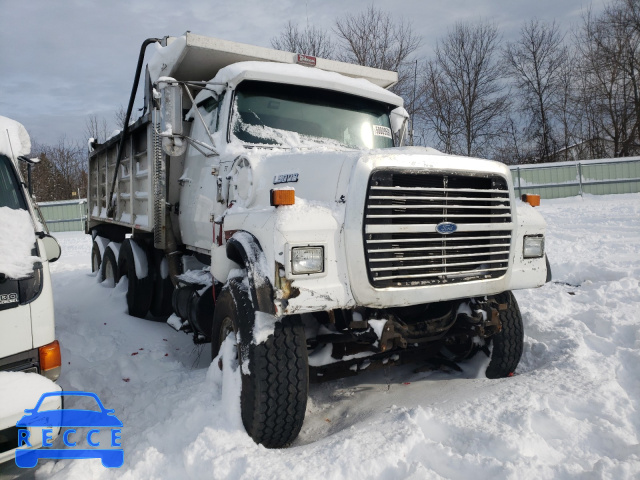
(69, 419)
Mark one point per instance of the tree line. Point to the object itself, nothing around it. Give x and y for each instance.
(62, 173)
(548, 95)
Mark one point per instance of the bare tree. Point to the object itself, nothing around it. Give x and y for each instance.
(566, 108)
(510, 146)
(535, 62)
(464, 89)
(309, 41)
(119, 116)
(62, 171)
(96, 127)
(441, 111)
(372, 38)
(610, 47)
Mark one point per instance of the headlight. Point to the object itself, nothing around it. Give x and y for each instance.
(306, 260)
(533, 246)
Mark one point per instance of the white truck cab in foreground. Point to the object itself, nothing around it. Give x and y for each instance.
(267, 194)
(27, 329)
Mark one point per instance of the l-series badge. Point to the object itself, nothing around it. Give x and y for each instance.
(285, 178)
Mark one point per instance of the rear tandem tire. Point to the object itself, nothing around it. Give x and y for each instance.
(274, 394)
(508, 344)
(140, 289)
(96, 258)
(109, 267)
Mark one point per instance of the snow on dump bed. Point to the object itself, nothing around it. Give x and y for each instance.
(14, 139)
(17, 238)
(571, 411)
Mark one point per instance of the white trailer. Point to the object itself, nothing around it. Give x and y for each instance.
(267, 194)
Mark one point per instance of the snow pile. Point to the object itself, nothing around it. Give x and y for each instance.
(17, 239)
(22, 390)
(14, 139)
(571, 410)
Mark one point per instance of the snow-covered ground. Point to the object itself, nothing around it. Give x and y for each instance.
(571, 411)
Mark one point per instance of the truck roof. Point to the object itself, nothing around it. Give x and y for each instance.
(14, 139)
(298, 75)
(199, 58)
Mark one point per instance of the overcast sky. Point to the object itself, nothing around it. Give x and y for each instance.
(64, 60)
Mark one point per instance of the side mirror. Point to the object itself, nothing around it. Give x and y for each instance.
(52, 249)
(399, 118)
(171, 117)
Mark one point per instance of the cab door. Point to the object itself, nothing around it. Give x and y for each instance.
(199, 179)
(15, 319)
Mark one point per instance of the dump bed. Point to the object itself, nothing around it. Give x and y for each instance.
(134, 185)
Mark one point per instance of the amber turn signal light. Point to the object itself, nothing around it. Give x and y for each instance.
(531, 199)
(50, 360)
(283, 197)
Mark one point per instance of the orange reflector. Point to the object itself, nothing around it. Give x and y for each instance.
(50, 356)
(531, 199)
(283, 197)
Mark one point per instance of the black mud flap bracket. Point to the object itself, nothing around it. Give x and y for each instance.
(546, 259)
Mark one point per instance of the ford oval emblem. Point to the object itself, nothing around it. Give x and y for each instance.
(446, 228)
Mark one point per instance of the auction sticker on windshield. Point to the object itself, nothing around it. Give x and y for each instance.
(382, 131)
(86, 433)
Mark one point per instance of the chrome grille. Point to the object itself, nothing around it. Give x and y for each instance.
(402, 246)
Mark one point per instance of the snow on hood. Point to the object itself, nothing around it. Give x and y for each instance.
(17, 238)
(22, 390)
(14, 139)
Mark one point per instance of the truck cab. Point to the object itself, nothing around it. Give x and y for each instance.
(27, 327)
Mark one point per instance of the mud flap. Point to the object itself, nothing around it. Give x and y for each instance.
(546, 259)
(244, 248)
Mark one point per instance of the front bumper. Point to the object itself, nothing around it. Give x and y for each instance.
(25, 389)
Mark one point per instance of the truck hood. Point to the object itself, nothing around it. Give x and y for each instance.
(315, 176)
(325, 176)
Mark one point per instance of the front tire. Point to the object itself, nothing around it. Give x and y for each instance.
(274, 392)
(509, 343)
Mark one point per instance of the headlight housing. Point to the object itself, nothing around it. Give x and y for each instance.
(533, 246)
(307, 260)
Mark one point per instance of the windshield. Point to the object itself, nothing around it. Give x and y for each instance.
(290, 115)
(10, 192)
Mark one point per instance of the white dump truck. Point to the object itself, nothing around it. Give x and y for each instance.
(267, 195)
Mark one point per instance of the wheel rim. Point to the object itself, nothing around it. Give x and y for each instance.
(95, 265)
(109, 274)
